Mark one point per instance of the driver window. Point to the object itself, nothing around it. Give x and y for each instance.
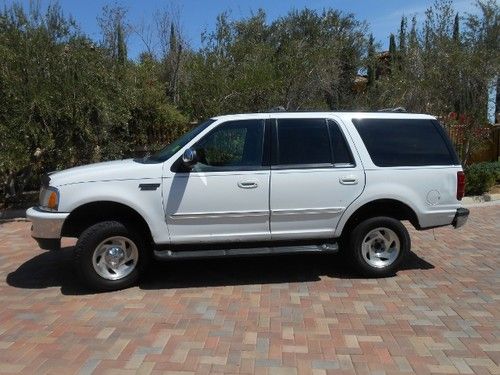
(234, 145)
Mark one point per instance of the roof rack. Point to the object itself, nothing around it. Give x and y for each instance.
(396, 109)
(279, 108)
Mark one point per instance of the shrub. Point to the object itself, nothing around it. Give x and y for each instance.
(481, 177)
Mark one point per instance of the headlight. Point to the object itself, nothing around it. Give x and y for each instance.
(49, 198)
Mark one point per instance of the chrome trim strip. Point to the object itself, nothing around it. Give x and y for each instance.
(214, 215)
(220, 214)
(308, 211)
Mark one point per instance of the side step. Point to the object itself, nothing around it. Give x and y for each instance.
(330, 248)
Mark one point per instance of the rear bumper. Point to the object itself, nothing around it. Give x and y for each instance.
(46, 227)
(461, 217)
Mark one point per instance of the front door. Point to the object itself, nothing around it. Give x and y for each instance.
(225, 196)
(314, 178)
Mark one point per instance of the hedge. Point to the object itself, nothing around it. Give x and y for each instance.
(481, 177)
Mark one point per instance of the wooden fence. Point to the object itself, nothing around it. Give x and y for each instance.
(490, 150)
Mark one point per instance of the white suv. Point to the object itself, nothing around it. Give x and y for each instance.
(265, 183)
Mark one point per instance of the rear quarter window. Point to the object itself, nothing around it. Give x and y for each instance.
(406, 142)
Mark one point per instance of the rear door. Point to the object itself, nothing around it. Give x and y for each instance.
(314, 177)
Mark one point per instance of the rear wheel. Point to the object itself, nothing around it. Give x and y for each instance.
(110, 256)
(378, 245)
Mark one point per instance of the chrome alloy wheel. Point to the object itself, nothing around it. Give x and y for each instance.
(115, 258)
(380, 247)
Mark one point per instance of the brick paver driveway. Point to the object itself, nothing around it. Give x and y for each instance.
(276, 315)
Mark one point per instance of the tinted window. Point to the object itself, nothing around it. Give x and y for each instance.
(303, 141)
(233, 145)
(404, 142)
(341, 152)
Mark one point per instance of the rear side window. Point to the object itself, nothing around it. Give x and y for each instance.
(341, 152)
(303, 141)
(405, 142)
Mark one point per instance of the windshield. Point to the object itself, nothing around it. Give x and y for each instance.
(167, 152)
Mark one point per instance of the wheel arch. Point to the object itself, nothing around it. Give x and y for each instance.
(380, 207)
(91, 213)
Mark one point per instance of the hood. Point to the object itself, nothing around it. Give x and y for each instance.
(127, 169)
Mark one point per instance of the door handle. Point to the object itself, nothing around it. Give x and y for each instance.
(349, 180)
(247, 184)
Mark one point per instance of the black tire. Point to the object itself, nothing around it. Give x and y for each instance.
(87, 244)
(358, 234)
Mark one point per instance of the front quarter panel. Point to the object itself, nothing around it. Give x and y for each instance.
(148, 203)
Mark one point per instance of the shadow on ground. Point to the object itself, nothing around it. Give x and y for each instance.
(55, 269)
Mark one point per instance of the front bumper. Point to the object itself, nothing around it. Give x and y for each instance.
(46, 226)
(460, 217)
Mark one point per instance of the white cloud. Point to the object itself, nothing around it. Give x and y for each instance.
(461, 6)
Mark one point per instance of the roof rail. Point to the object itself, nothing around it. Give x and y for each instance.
(396, 109)
(279, 108)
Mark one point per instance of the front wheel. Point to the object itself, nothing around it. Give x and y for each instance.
(109, 256)
(378, 246)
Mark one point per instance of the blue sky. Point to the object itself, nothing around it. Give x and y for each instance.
(196, 16)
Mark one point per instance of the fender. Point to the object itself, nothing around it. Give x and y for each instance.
(369, 195)
(146, 203)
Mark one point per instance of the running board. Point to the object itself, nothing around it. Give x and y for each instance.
(330, 248)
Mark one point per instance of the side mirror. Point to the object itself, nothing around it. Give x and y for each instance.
(189, 157)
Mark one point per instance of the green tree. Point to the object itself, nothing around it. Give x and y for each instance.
(66, 102)
(402, 46)
(121, 46)
(392, 50)
(305, 59)
(114, 30)
(456, 29)
(371, 61)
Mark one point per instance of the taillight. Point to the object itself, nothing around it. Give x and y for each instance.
(460, 185)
